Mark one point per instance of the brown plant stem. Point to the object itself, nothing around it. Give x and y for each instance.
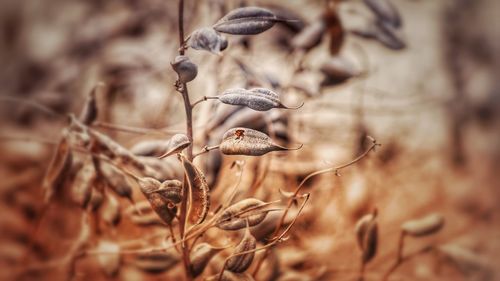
(404, 259)
(399, 256)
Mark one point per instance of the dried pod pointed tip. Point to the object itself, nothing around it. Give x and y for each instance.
(177, 143)
(200, 256)
(241, 261)
(244, 212)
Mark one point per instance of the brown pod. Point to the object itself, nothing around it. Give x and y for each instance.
(186, 70)
(58, 169)
(385, 11)
(176, 144)
(236, 216)
(424, 226)
(199, 192)
(171, 190)
(150, 148)
(89, 112)
(310, 36)
(337, 70)
(231, 276)
(246, 21)
(110, 261)
(367, 236)
(116, 180)
(81, 188)
(110, 211)
(163, 208)
(201, 254)
(156, 262)
(389, 36)
(259, 99)
(97, 196)
(242, 262)
(207, 39)
(244, 141)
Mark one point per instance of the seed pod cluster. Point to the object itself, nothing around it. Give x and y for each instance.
(246, 21)
(156, 262)
(242, 262)
(176, 144)
(259, 99)
(424, 226)
(111, 261)
(186, 70)
(201, 254)
(163, 208)
(207, 39)
(236, 216)
(244, 141)
(199, 192)
(367, 236)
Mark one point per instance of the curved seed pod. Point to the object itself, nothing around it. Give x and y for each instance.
(310, 36)
(207, 39)
(89, 111)
(110, 211)
(116, 180)
(385, 11)
(389, 36)
(246, 21)
(425, 226)
(244, 141)
(231, 276)
(150, 148)
(337, 70)
(235, 217)
(58, 169)
(149, 186)
(171, 190)
(81, 188)
(111, 261)
(97, 197)
(242, 262)
(200, 256)
(186, 70)
(156, 262)
(259, 99)
(367, 236)
(199, 192)
(177, 143)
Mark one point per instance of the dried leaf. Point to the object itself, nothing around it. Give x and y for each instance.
(246, 21)
(156, 262)
(244, 141)
(425, 226)
(185, 69)
(111, 261)
(177, 143)
(242, 262)
(165, 210)
(199, 192)
(81, 188)
(207, 39)
(259, 99)
(201, 254)
(235, 217)
(385, 11)
(58, 168)
(110, 210)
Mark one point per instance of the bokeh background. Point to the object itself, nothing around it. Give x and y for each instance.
(430, 94)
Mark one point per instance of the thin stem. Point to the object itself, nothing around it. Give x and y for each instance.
(134, 130)
(205, 149)
(404, 259)
(362, 270)
(399, 257)
(34, 104)
(204, 98)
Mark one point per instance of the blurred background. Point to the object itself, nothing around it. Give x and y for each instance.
(425, 86)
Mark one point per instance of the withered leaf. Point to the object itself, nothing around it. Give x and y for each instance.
(246, 21)
(236, 216)
(242, 262)
(186, 70)
(198, 190)
(81, 188)
(259, 99)
(427, 225)
(176, 144)
(244, 141)
(385, 11)
(207, 39)
(111, 261)
(58, 168)
(163, 208)
(201, 254)
(156, 262)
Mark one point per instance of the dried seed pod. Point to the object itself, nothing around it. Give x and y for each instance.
(389, 36)
(111, 261)
(150, 148)
(201, 254)
(58, 169)
(367, 236)
(244, 141)
(110, 211)
(186, 70)
(231, 276)
(242, 262)
(89, 111)
(156, 262)
(207, 39)
(199, 192)
(177, 143)
(259, 99)
(171, 190)
(97, 196)
(337, 70)
(116, 180)
(235, 217)
(162, 207)
(310, 36)
(81, 188)
(246, 21)
(385, 11)
(425, 226)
